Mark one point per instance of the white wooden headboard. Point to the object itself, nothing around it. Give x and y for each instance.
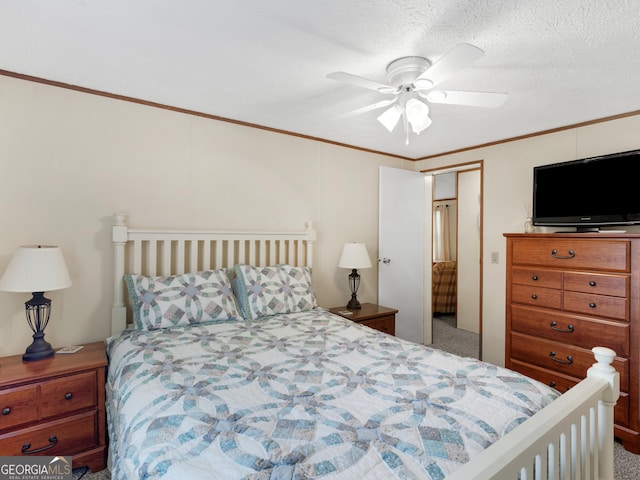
(173, 252)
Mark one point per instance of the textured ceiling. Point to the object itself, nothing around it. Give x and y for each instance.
(262, 62)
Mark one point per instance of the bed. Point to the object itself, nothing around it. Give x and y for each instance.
(444, 296)
(214, 372)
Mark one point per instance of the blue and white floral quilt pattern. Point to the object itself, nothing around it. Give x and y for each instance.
(302, 395)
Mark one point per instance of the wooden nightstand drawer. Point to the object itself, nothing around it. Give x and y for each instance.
(18, 406)
(385, 324)
(60, 437)
(68, 394)
(56, 406)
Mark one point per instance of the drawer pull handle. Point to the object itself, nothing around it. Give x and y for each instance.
(554, 254)
(53, 441)
(555, 324)
(592, 283)
(68, 396)
(6, 410)
(534, 296)
(568, 361)
(534, 278)
(592, 305)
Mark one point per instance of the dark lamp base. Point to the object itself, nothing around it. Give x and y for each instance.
(39, 349)
(354, 304)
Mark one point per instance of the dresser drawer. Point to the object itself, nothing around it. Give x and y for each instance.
(556, 380)
(18, 406)
(537, 277)
(384, 324)
(539, 296)
(588, 254)
(567, 328)
(59, 437)
(563, 383)
(598, 305)
(613, 285)
(68, 394)
(567, 359)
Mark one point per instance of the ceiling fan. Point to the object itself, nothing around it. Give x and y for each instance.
(411, 80)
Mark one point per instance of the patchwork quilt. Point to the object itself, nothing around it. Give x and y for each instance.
(301, 395)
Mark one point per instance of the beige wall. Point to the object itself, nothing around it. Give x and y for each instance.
(508, 170)
(70, 160)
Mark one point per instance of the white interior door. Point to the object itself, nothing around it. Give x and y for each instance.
(403, 246)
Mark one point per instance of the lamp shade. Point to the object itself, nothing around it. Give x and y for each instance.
(36, 268)
(354, 255)
(417, 115)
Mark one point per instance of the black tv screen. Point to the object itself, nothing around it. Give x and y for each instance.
(588, 193)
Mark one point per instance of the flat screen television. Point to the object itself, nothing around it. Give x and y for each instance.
(589, 193)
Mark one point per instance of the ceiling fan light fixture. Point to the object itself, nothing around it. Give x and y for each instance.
(389, 118)
(417, 115)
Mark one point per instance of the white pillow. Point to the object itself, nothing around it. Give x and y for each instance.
(187, 299)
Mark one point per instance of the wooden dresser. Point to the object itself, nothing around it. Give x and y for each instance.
(55, 406)
(567, 293)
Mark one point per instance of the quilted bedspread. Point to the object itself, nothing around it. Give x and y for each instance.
(304, 395)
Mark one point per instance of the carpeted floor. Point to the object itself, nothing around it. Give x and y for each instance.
(454, 340)
(85, 474)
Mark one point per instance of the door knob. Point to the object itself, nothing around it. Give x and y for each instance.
(384, 260)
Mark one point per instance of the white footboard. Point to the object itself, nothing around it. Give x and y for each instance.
(572, 438)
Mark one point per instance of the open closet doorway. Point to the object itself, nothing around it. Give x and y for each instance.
(457, 254)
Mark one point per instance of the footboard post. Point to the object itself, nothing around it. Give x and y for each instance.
(603, 369)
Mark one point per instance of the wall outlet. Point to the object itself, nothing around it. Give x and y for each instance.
(495, 258)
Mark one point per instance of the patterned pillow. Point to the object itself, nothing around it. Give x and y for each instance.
(265, 291)
(187, 299)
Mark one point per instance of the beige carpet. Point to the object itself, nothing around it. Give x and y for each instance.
(85, 474)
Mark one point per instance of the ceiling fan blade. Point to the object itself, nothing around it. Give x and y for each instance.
(471, 99)
(367, 108)
(362, 82)
(455, 59)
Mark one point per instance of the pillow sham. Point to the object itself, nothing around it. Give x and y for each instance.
(187, 299)
(266, 291)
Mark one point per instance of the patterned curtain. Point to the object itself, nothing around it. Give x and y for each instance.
(441, 233)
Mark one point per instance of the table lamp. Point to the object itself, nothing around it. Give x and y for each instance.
(36, 269)
(354, 256)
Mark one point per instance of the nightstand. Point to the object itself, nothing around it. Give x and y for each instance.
(55, 406)
(372, 315)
